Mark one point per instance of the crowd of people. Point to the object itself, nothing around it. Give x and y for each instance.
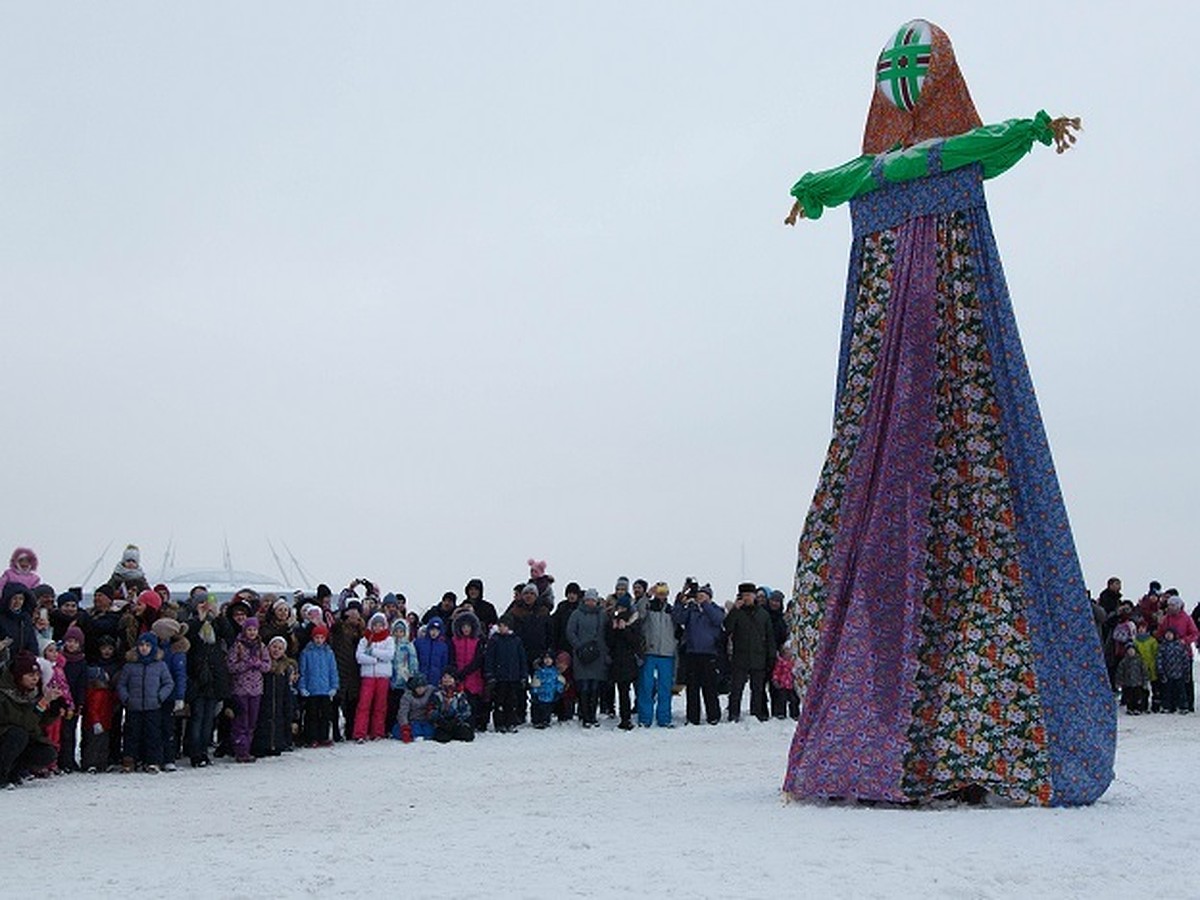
(1148, 648)
(141, 680)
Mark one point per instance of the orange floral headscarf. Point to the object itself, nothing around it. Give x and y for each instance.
(943, 107)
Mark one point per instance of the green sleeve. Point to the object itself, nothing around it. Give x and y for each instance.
(997, 147)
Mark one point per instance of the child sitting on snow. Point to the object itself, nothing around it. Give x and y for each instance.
(1132, 678)
(546, 686)
(450, 712)
(412, 719)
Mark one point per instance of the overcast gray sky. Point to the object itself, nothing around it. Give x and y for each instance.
(423, 290)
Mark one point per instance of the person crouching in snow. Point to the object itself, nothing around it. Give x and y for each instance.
(545, 687)
(273, 730)
(450, 712)
(412, 719)
(375, 651)
(25, 707)
(143, 686)
(318, 685)
(248, 660)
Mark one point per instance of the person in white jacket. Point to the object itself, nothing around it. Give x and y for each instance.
(375, 651)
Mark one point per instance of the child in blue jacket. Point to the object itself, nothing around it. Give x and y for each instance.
(546, 686)
(317, 687)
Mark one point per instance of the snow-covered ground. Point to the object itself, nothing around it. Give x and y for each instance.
(685, 812)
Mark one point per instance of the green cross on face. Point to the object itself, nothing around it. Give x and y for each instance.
(902, 67)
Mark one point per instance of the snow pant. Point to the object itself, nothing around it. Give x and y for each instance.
(1133, 698)
(241, 732)
(701, 680)
(200, 728)
(168, 722)
(20, 752)
(624, 706)
(53, 732)
(96, 751)
(540, 711)
(421, 729)
(346, 703)
(446, 732)
(604, 694)
(143, 736)
(317, 712)
(564, 706)
(67, 739)
(370, 719)
(393, 703)
(1174, 695)
(654, 686)
(506, 699)
(758, 692)
(589, 698)
(785, 702)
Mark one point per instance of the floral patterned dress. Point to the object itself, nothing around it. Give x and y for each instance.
(943, 634)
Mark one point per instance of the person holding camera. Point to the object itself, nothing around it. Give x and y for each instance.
(701, 620)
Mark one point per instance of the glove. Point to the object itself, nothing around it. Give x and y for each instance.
(406, 734)
(179, 708)
(97, 728)
(332, 694)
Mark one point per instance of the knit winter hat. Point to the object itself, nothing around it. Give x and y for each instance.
(281, 639)
(151, 599)
(251, 622)
(166, 629)
(705, 589)
(622, 582)
(131, 554)
(320, 631)
(591, 594)
(1175, 603)
(73, 633)
(25, 663)
(377, 622)
(66, 597)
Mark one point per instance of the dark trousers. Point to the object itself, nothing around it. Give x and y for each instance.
(200, 727)
(507, 699)
(317, 714)
(564, 707)
(446, 732)
(701, 679)
(589, 699)
(758, 692)
(66, 741)
(168, 722)
(624, 704)
(785, 702)
(1174, 695)
(19, 752)
(604, 695)
(1133, 698)
(540, 711)
(143, 736)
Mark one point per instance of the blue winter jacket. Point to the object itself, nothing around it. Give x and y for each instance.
(433, 657)
(702, 626)
(318, 671)
(145, 686)
(548, 687)
(177, 666)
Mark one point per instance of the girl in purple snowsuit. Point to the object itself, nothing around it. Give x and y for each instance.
(248, 659)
